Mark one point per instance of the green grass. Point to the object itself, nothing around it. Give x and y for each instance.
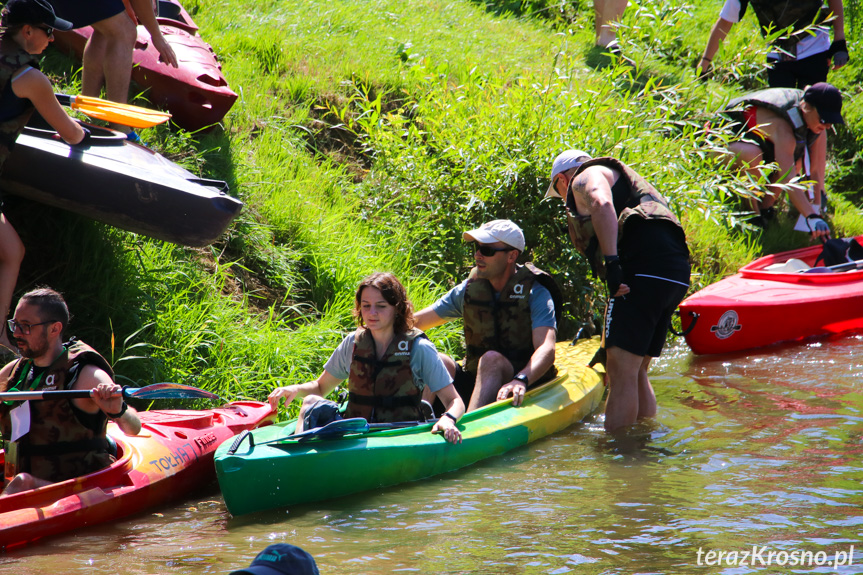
(369, 135)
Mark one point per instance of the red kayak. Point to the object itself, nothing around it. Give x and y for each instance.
(172, 456)
(196, 93)
(774, 299)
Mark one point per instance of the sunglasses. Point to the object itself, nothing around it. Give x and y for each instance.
(489, 251)
(24, 328)
(49, 31)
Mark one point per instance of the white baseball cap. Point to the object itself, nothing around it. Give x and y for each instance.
(566, 160)
(497, 231)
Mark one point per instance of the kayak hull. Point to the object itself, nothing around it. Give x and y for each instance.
(756, 307)
(172, 456)
(121, 184)
(291, 472)
(196, 93)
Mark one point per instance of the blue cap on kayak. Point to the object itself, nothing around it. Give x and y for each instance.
(32, 12)
(281, 559)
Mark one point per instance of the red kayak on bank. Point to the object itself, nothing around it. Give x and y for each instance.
(774, 299)
(196, 93)
(172, 456)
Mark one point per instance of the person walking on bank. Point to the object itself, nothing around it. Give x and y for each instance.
(636, 244)
(510, 319)
(802, 57)
(54, 440)
(26, 29)
(788, 127)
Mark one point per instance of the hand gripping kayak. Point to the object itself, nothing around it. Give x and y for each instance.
(124, 114)
(154, 391)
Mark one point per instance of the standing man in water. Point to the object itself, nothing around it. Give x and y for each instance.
(636, 244)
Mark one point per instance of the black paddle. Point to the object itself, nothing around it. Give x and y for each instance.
(154, 391)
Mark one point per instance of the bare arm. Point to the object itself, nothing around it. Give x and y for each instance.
(144, 11)
(36, 87)
(427, 319)
(106, 396)
(717, 36)
(325, 383)
(539, 363)
(455, 407)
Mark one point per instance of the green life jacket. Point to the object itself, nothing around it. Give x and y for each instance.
(644, 202)
(12, 59)
(784, 102)
(63, 441)
(774, 16)
(383, 390)
(504, 325)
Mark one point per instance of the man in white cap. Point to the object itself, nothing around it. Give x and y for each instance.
(635, 243)
(510, 314)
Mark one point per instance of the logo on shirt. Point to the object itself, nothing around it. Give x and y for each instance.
(518, 290)
(49, 382)
(402, 348)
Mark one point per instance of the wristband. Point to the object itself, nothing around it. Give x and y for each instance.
(837, 46)
(705, 59)
(118, 415)
(450, 415)
(522, 378)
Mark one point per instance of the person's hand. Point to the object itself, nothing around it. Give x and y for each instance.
(516, 389)
(108, 396)
(447, 427)
(166, 53)
(289, 393)
(839, 53)
(703, 68)
(614, 277)
(818, 227)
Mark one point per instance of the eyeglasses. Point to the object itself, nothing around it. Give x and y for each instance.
(489, 251)
(24, 328)
(49, 31)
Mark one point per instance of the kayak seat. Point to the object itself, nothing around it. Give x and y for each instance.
(788, 267)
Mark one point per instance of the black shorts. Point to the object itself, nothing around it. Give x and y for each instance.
(799, 73)
(82, 14)
(638, 322)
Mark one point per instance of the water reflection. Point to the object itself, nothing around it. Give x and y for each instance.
(759, 449)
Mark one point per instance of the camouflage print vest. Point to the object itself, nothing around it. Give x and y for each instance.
(383, 390)
(12, 59)
(643, 202)
(504, 325)
(63, 441)
(776, 15)
(784, 102)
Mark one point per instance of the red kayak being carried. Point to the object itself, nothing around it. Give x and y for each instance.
(774, 299)
(196, 93)
(172, 456)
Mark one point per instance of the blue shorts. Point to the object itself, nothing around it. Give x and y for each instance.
(87, 13)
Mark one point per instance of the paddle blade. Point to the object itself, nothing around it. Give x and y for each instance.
(334, 429)
(168, 391)
(125, 114)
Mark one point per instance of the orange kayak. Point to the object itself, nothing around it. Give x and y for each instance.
(172, 456)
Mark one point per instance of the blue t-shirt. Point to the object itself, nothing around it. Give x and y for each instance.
(426, 365)
(451, 305)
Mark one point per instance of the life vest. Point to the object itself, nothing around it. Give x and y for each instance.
(63, 441)
(12, 59)
(643, 202)
(774, 16)
(383, 390)
(504, 325)
(784, 102)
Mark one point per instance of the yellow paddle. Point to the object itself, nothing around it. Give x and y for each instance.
(124, 114)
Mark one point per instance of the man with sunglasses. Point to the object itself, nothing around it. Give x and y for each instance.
(636, 244)
(53, 440)
(510, 314)
(789, 127)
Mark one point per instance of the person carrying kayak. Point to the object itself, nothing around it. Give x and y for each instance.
(510, 319)
(26, 29)
(52, 440)
(786, 126)
(387, 362)
(634, 242)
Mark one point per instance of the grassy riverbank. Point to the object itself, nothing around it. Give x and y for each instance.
(368, 135)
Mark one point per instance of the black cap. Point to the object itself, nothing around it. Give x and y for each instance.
(827, 100)
(281, 559)
(32, 12)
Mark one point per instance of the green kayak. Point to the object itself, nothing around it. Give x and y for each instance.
(267, 469)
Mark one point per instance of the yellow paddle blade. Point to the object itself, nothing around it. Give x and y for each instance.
(124, 114)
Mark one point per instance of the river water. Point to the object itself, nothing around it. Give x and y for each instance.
(752, 452)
